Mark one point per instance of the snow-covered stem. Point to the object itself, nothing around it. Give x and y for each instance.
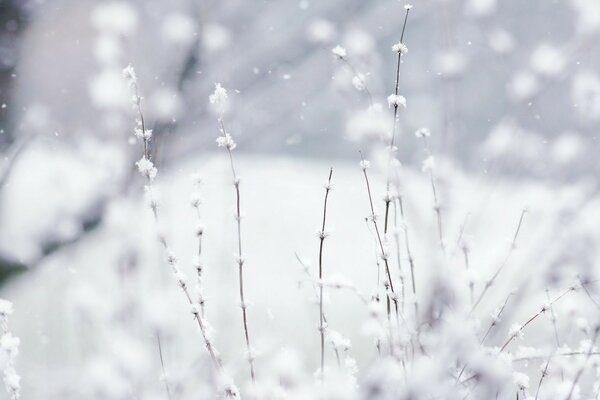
(384, 254)
(432, 180)
(543, 376)
(240, 255)
(584, 366)
(411, 260)
(149, 171)
(357, 75)
(315, 285)
(542, 310)
(397, 84)
(398, 258)
(396, 104)
(196, 202)
(9, 346)
(162, 367)
(493, 323)
(513, 245)
(322, 236)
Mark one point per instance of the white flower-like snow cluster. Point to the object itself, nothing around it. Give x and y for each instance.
(219, 99)
(400, 48)
(422, 132)
(359, 82)
(226, 141)
(365, 164)
(130, 76)
(339, 52)
(146, 168)
(144, 134)
(395, 100)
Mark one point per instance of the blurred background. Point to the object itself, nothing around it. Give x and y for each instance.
(509, 89)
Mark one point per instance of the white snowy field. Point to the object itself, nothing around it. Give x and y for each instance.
(88, 314)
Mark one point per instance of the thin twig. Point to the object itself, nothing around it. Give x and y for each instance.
(322, 236)
(491, 281)
(162, 366)
(583, 367)
(240, 256)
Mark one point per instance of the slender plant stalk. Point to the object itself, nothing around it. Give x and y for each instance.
(171, 259)
(487, 332)
(317, 296)
(544, 374)
(583, 367)
(491, 281)
(536, 315)
(240, 256)
(162, 366)
(436, 202)
(322, 236)
(384, 254)
(398, 257)
(411, 260)
(388, 197)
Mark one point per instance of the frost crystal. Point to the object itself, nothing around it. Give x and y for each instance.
(226, 141)
(146, 168)
(359, 82)
(6, 308)
(130, 76)
(396, 100)
(422, 132)
(408, 7)
(364, 164)
(142, 134)
(339, 52)
(516, 331)
(400, 48)
(219, 99)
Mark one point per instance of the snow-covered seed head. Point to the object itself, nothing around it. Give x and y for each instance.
(408, 7)
(142, 134)
(171, 259)
(422, 132)
(395, 100)
(6, 308)
(322, 234)
(219, 100)
(130, 75)
(400, 48)
(358, 82)
(516, 331)
(195, 309)
(239, 260)
(146, 168)
(339, 52)
(226, 141)
(365, 164)
(195, 200)
(180, 277)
